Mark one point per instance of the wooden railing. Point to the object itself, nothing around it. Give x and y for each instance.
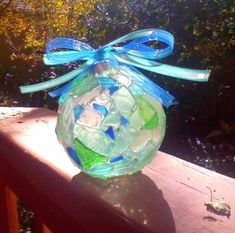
(167, 196)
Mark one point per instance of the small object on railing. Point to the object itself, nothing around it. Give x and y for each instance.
(217, 206)
(111, 121)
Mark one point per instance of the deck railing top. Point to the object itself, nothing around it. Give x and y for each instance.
(167, 196)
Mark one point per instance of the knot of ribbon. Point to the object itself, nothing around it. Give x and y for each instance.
(134, 53)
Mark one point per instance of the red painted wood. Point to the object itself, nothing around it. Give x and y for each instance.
(8, 210)
(168, 196)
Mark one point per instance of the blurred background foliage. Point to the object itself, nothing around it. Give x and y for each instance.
(201, 127)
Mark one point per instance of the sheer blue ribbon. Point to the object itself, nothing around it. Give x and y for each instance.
(133, 53)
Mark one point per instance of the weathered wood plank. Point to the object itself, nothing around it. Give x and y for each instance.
(168, 196)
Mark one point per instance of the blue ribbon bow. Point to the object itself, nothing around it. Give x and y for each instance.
(133, 53)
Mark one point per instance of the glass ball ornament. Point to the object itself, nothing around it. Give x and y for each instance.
(110, 118)
(109, 125)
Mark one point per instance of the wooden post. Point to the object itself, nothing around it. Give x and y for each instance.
(8, 210)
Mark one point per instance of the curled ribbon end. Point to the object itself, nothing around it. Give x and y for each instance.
(204, 77)
(23, 90)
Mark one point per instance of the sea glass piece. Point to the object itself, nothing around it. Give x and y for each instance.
(73, 155)
(65, 123)
(115, 159)
(110, 132)
(88, 157)
(77, 111)
(124, 101)
(119, 146)
(106, 82)
(152, 123)
(101, 109)
(79, 87)
(95, 139)
(112, 119)
(147, 113)
(104, 99)
(90, 117)
(88, 84)
(87, 98)
(124, 121)
(112, 89)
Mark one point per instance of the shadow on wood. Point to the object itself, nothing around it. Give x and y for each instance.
(135, 197)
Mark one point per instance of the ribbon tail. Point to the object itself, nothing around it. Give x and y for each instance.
(55, 82)
(147, 85)
(156, 67)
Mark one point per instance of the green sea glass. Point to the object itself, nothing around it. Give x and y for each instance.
(88, 157)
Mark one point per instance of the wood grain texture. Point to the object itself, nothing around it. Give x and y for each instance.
(167, 196)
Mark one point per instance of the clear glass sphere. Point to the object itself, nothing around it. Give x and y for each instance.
(108, 125)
